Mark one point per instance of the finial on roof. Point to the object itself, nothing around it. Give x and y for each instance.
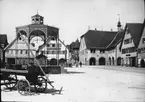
(37, 12)
(119, 17)
(119, 23)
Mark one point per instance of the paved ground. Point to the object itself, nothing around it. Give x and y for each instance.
(90, 84)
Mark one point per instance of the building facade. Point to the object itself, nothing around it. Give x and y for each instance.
(3, 44)
(17, 52)
(114, 51)
(93, 47)
(141, 49)
(34, 40)
(130, 43)
(74, 52)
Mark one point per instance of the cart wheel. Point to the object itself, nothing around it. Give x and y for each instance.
(23, 87)
(11, 81)
(41, 84)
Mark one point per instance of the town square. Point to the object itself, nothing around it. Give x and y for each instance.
(72, 51)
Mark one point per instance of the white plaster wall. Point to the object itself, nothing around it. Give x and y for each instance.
(127, 36)
(141, 45)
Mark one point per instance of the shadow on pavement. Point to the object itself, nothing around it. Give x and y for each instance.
(34, 92)
(74, 72)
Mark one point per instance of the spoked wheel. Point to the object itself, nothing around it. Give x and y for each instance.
(11, 81)
(23, 87)
(41, 84)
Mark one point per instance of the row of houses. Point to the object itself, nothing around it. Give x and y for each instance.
(124, 47)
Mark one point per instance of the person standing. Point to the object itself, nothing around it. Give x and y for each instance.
(80, 64)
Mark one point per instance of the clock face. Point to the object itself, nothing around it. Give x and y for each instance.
(36, 42)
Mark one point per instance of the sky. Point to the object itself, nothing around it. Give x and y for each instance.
(73, 17)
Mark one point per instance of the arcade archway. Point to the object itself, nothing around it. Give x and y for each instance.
(119, 61)
(142, 63)
(109, 61)
(112, 60)
(102, 61)
(37, 33)
(53, 61)
(92, 61)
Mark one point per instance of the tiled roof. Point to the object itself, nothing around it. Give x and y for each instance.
(98, 39)
(117, 39)
(3, 39)
(75, 45)
(37, 15)
(135, 31)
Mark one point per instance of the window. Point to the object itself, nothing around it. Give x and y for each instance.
(47, 52)
(53, 52)
(127, 41)
(53, 45)
(128, 50)
(92, 50)
(21, 51)
(26, 52)
(102, 51)
(52, 38)
(48, 45)
(143, 40)
(37, 19)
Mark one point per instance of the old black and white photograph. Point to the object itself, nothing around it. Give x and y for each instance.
(72, 50)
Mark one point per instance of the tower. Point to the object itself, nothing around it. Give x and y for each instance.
(37, 19)
(119, 23)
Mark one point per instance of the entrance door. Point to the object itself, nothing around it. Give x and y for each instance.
(133, 61)
(119, 61)
(142, 62)
(109, 61)
(92, 61)
(53, 61)
(11, 60)
(102, 61)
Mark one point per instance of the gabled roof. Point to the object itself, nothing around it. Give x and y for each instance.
(3, 39)
(19, 46)
(75, 45)
(135, 31)
(9, 45)
(117, 39)
(98, 39)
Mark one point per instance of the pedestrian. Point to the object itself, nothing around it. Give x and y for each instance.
(80, 64)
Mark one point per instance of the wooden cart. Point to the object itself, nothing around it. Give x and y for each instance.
(33, 76)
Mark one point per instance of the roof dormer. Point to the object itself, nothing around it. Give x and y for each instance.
(37, 19)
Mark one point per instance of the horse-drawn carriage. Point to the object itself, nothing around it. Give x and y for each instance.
(33, 76)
